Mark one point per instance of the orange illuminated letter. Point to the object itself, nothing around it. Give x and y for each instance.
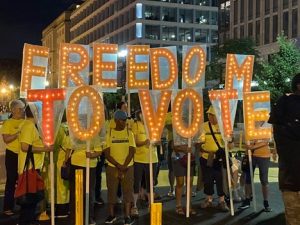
(47, 97)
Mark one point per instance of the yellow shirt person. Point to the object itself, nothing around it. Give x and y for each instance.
(30, 135)
(142, 153)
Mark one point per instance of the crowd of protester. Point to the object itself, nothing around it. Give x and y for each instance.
(125, 157)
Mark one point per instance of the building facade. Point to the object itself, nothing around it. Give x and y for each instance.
(264, 20)
(158, 23)
(57, 32)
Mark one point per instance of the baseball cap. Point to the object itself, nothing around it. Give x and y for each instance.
(120, 115)
(16, 104)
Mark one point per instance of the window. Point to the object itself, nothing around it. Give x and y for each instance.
(214, 36)
(257, 8)
(257, 32)
(285, 4)
(275, 28)
(267, 31)
(250, 9)
(213, 18)
(294, 2)
(202, 2)
(169, 33)
(202, 17)
(185, 34)
(285, 25)
(275, 5)
(242, 6)
(152, 32)
(242, 31)
(250, 30)
(185, 16)
(267, 6)
(235, 5)
(169, 14)
(201, 35)
(235, 33)
(294, 22)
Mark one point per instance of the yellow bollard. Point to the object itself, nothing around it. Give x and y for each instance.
(156, 214)
(79, 196)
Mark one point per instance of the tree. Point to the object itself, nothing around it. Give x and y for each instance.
(276, 74)
(244, 46)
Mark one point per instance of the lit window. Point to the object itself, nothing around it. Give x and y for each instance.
(138, 30)
(139, 10)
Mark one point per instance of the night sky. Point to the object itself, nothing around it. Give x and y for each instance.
(22, 21)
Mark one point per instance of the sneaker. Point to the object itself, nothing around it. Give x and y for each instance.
(8, 213)
(223, 206)
(171, 194)
(267, 207)
(99, 201)
(206, 204)
(92, 222)
(129, 221)
(134, 212)
(61, 216)
(110, 220)
(193, 194)
(245, 204)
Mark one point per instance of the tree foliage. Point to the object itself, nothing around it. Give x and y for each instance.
(276, 74)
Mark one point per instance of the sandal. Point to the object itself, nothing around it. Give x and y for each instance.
(179, 210)
(193, 212)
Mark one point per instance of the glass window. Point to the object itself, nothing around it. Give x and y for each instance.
(242, 31)
(275, 5)
(267, 6)
(202, 2)
(242, 12)
(285, 4)
(235, 33)
(186, 16)
(201, 35)
(257, 8)
(139, 10)
(138, 30)
(169, 14)
(267, 31)
(250, 9)
(285, 25)
(214, 36)
(213, 18)
(186, 1)
(169, 33)
(294, 2)
(152, 13)
(214, 3)
(185, 34)
(294, 22)
(275, 28)
(202, 17)
(235, 12)
(250, 29)
(152, 32)
(257, 32)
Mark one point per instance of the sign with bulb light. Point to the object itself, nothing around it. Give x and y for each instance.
(74, 64)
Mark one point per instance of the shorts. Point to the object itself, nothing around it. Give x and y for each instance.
(179, 170)
(112, 182)
(141, 169)
(263, 166)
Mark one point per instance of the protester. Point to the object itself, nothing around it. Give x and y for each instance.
(171, 177)
(78, 162)
(261, 158)
(285, 117)
(10, 133)
(29, 136)
(211, 148)
(119, 152)
(63, 151)
(142, 159)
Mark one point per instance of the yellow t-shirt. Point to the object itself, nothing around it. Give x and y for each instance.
(119, 143)
(12, 126)
(78, 157)
(208, 141)
(30, 135)
(142, 153)
(263, 152)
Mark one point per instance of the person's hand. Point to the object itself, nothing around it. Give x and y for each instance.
(122, 168)
(147, 142)
(189, 150)
(89, 155)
